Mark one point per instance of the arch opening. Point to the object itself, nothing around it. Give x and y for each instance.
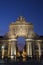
(20, 43)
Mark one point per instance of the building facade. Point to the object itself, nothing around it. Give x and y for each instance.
(33, 43)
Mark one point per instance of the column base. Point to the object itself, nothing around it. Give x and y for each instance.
(12, 57)
(2, 57)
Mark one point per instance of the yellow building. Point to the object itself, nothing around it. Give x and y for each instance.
(33, 42)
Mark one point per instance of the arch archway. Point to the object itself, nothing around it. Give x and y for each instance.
(20, 30)
(20, 43)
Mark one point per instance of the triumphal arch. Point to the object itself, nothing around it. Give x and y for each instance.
(22, 28)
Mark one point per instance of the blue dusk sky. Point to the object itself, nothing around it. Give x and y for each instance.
(32, 10)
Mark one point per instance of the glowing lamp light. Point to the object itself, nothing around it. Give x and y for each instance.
(2, 46)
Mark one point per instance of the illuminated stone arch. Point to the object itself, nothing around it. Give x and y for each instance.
(17, 29)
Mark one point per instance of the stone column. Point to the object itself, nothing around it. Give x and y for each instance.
(13, 49)
(9, 49)
(29, 48)
(39, 48)
(3, 50)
